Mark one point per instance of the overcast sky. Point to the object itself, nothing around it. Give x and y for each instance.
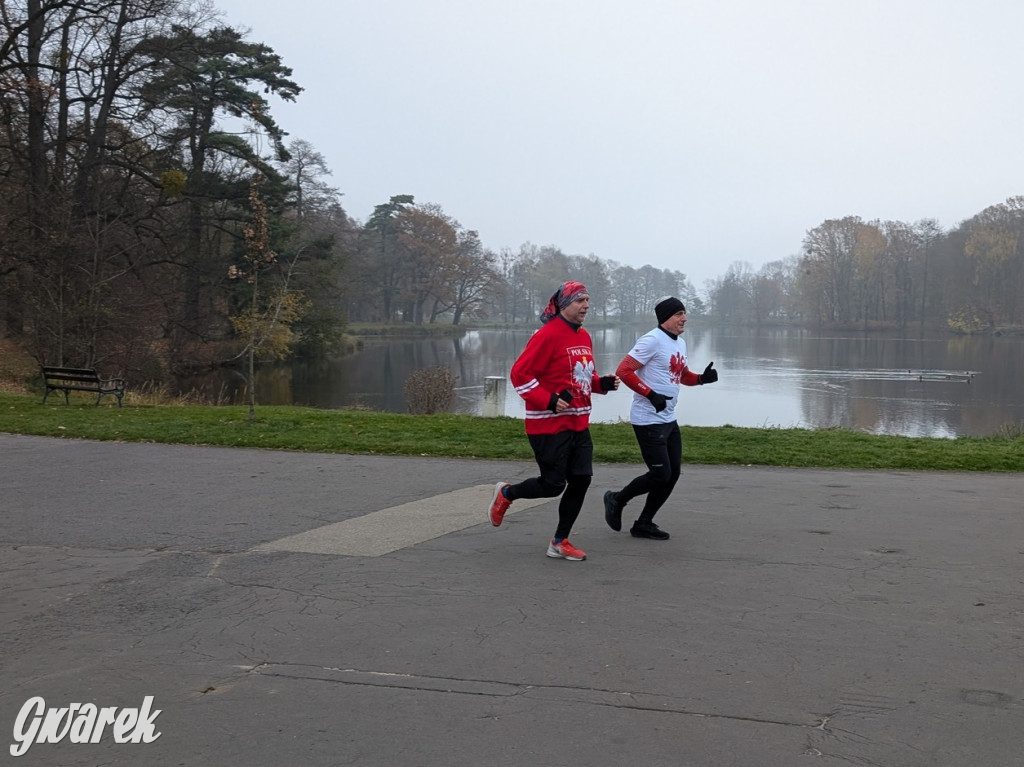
(687, 135)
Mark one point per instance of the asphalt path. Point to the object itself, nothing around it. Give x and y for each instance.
(292, 608)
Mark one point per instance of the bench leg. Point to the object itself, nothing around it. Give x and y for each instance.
(67, 399)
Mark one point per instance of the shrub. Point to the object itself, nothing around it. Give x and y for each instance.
(430, 390)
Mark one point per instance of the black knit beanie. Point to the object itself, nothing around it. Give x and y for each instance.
(666, 307)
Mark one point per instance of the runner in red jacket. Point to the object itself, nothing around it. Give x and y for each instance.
(555, 375)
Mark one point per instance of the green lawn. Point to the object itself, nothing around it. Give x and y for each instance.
(351, 431)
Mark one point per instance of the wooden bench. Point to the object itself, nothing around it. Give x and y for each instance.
(81, 379)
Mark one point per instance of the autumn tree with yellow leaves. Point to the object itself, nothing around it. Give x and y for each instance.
(266, 322)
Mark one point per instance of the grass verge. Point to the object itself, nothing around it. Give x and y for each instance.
(351, 431)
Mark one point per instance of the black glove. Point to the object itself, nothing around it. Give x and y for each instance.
(660, 401)
(607, 383)
(710, 375)
(553, 402)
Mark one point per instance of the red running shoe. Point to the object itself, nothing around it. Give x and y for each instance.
(565, 550)
(499, 505)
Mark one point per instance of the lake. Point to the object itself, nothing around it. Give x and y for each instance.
(883, 384)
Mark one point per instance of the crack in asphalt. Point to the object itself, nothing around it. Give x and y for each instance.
(638, 701)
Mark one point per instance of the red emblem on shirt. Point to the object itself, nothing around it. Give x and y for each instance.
(676, 366)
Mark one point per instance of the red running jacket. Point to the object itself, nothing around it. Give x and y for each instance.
(558, 356)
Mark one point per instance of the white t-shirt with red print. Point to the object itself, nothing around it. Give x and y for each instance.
(662, 368)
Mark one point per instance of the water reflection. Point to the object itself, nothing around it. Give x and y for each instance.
(783, 378)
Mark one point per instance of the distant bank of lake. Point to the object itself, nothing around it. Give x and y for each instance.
(936, 386)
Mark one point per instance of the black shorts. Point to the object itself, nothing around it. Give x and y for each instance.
(567, 453)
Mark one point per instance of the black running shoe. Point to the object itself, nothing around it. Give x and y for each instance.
(648, 530)
(612, 511)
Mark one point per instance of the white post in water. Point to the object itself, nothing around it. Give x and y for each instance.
(494, 397)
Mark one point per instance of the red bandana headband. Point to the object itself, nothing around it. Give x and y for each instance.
(564, 296)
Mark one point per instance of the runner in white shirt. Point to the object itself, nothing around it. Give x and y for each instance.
(654, 369)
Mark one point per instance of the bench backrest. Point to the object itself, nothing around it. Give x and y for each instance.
(81, 375)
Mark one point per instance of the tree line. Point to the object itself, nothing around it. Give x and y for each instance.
(155, 217)
(858, 274)
(413, 263)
